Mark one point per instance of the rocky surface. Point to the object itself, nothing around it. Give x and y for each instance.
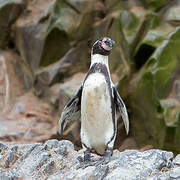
(56, 160)
(45, 49)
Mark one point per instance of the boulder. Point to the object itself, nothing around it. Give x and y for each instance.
(58, 160)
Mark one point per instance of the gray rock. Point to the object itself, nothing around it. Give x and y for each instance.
(41, 160)
(10, 159)
(141, 164)
(28, 152)
(159, 176)
(50, 168)
(121, 174)
(177, 160)
(100, 172)
(3, 147)
(4, 177)
(69, 145)
(175, 173)
(61, 150)
(14, 149)
(53, 143)
(56, 160)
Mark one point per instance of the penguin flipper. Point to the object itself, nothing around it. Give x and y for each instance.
(122, 108)
(72, 111)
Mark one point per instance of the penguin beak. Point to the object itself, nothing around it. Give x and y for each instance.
(110, 43)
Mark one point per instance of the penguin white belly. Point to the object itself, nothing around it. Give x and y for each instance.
(96, 114)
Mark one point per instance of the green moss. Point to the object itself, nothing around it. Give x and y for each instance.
(154, 4)
(152, 84)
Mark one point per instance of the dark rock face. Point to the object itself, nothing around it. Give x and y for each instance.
(29, 29)
(56, 160)
(9, 12)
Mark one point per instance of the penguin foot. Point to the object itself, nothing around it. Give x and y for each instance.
(102, 161)
(105, 159)
(87, 160)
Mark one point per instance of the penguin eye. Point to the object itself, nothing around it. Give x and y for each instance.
(106, 42)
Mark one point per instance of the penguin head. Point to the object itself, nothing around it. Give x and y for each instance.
(103, 46)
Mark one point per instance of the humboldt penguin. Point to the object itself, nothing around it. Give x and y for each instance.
(95, 105)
